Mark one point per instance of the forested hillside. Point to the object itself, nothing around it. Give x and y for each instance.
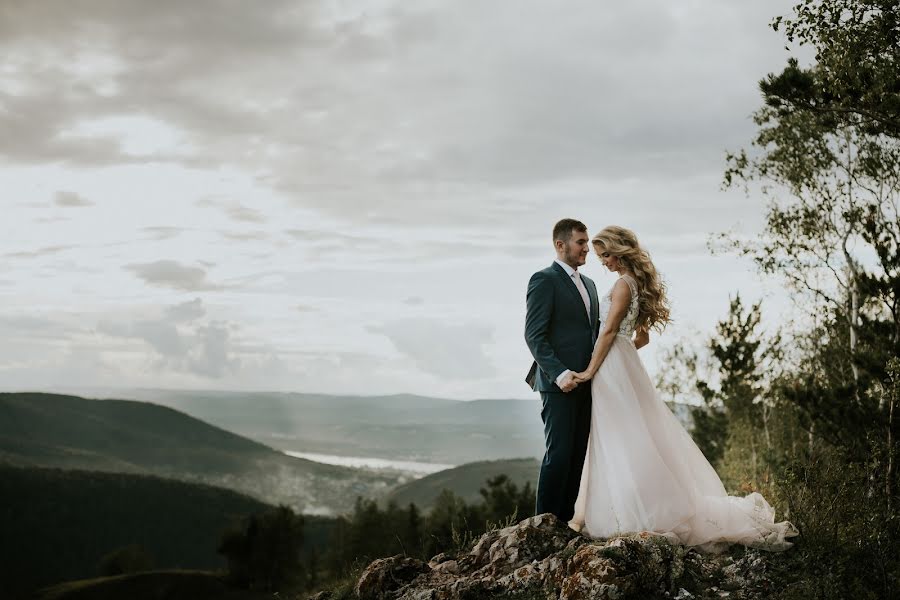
(125, 436)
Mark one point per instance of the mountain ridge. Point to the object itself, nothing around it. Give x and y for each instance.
(54, 430)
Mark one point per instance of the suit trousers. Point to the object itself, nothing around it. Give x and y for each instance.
(567, 424)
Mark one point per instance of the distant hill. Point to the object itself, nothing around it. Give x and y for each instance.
(465, 481)
(395, 427)
(52, 430)
(398, 427)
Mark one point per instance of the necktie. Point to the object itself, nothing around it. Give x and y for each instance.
(583, 291)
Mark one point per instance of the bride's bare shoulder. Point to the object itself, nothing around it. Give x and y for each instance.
(621, 291)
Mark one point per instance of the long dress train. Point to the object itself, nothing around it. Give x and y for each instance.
(643, 472)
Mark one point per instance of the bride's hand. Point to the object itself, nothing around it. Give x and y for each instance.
(582, 377)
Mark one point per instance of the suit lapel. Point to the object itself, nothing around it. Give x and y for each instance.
(595, 304)
(576, 295)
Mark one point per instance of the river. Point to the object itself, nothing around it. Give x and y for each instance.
(419, 469)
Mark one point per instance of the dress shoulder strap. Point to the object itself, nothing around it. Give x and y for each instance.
(631, 284)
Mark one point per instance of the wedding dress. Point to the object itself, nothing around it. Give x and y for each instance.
(643, 472)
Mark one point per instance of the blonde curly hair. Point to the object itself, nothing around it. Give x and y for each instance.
(620, 242)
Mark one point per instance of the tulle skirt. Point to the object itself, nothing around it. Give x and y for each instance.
(644, 473)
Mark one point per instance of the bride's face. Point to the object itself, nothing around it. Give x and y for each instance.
(609, 261)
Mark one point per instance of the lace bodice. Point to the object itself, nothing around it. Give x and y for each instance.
(630, 321)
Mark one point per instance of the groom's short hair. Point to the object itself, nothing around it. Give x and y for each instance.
(563, 230)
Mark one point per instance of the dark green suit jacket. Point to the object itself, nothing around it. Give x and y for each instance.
(558, 331)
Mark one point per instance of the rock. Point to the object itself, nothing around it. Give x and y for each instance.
(435, 561)
(386, 575)
(502, 551)
(448, 566)
(541, 557)
(592, 574)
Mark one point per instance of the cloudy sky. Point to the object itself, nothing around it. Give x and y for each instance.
(349, 197)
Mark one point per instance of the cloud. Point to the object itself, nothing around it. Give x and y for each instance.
(245, 236)
(328, 237)
(162, 232)
(446, 350)
(377, 163)
(171, 274)
(45, 251)
(71, 199)
(553, 100)
(72, 63)
(242, 213)
(29, 326)
(404, 113)
(213, 360)
(180, 341)
(186, 311)
(426, 244)
(162, 336)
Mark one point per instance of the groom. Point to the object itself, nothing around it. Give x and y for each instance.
(560, 330)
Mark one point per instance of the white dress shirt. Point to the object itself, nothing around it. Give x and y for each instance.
(584, 296)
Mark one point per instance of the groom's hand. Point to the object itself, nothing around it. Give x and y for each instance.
(568, 382)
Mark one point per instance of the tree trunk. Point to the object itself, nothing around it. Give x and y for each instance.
(753, 456)
(888, 491)
(812, 436)
(853, 316)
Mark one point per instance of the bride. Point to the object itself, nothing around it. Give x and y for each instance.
(643, 471)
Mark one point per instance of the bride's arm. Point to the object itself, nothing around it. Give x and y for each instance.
(641, 338)
(619, 302)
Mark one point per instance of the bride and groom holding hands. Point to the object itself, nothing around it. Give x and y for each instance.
(617, 460)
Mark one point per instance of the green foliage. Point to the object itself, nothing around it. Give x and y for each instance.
(273, 549)
(828, 136)
(343, 586)
(737, 350)
(856, 76)
(827, 153)
(841, 210)
(504, 503)
(850, 536)
(732, 425)
(451, 526)
(455, 525)
(824, 458)
(264, 551)
(710, 431)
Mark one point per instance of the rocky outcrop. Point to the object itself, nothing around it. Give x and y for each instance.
(386, 575)
(541, 557)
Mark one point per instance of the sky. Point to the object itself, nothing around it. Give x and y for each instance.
(350, 197)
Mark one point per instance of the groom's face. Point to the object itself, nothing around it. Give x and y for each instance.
(574, 252)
